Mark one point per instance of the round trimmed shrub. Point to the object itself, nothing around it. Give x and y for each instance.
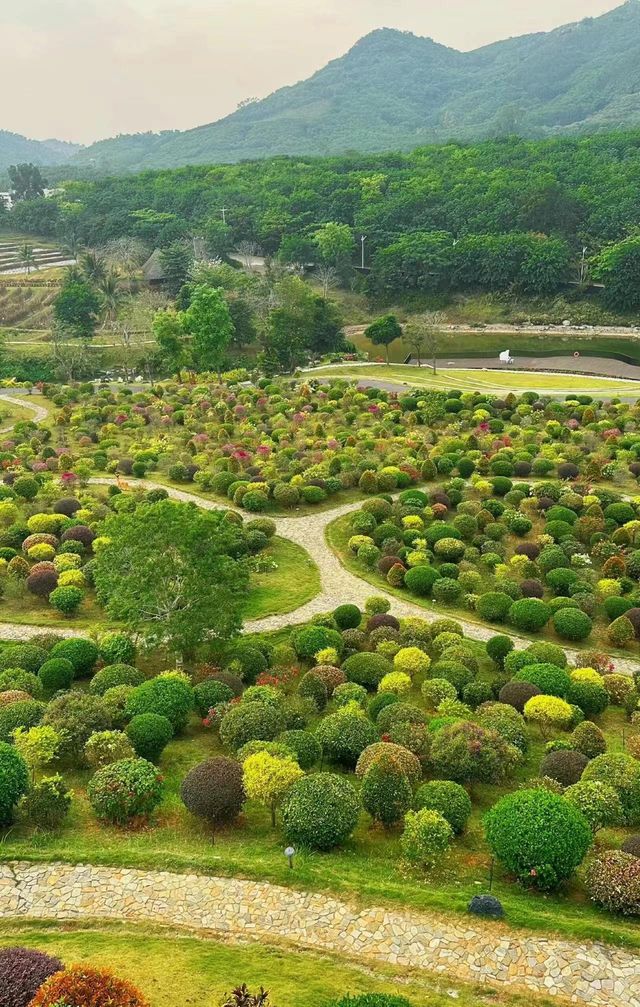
(631, 845)
(517, 694)
(309, 640)
(305, 747)
(56, 675)
(214, 791)
(386, 792)
(420, 580)
(82, 654)
(209, 694)
(494, 606)
(505, 721)
(250, 722)
(621, 772)
(588, 739)
(550, 679)
(572, 624)
(76, 716)
(113, 675)
(426, 836)
(27, 713)
(529, 614)
(24, 655)
(330, 676)
(597, 801)
(590, 696)
(448, 798)
(498, 647)
(312, 687)
(344, 736)
(105, 747)
(540, 837)
(22, 973)
(124, 790)
(468, 753)
(399, 713)
(350, 692)
(149, 733)
(14, 781)
(82, 986)
(347, 616)
(549, 712)
(613, 882)
(320, 811)
(366, 669)
(408, 762)
(411, 661)
(117, 648)
(168, 694)
(565, 766)
(66, 599)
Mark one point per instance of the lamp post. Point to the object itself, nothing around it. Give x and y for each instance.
(363, 238)
(289, 853)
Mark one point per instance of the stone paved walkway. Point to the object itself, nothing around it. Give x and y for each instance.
(466, 949)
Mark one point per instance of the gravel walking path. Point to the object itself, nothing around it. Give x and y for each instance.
(466, 949)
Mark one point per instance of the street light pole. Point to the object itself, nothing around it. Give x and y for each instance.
(363, 238)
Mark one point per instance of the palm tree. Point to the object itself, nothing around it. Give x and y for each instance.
(93, 267)
(110, 288)
(27, 258)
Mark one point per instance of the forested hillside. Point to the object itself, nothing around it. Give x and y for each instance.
(394, 90)
(15, 149)
(490, 215)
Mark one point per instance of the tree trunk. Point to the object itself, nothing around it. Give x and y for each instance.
(434, 366)
(273, 816)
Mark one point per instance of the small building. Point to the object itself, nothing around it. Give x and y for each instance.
(153, 270)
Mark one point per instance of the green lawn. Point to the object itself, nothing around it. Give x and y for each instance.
(294, 582)
(201, 971)
(478, 380)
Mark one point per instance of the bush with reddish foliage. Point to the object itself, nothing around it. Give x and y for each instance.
(532, 589)
(79, 533)
(384, 619)
(81, 986)
(565, 765)
(214, 790)
(22, 973)
(42, 583)
(516, 694)
(613, 882)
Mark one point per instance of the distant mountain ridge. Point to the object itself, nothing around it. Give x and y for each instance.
(17, 149)
(395, 90)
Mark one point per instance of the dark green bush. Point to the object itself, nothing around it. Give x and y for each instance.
(14, 781)
(56, 674)
(82, 653)
(366, 669)
(447, 797)
(124, 790)
(149, 733)
(344, 737)
(168, 694)
(320, 811)
(113, 675)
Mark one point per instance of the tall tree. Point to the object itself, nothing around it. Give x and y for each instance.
(384, 331)
(208, 321)
(77, 308)
(26, 182)
(176, 261)
(27, 258)
(168, 573)
(422, 336)
(168, 330)
(336, 245)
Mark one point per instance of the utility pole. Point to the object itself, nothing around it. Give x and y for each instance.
(363, 238)
(583, 265)
(223, 211)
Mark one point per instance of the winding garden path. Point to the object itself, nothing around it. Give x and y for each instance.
(466, 949)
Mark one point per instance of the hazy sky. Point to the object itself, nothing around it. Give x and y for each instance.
(85, 69)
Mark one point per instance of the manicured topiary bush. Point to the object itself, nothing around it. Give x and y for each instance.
(366, 669)
(407, 761)
(25, 714)
(621, 772)
(598, 802)
(498, 647)
(467, 753)
(386, 792)
(209, 694)
(113, 675)
(214, 791)
(347, 616)
(529, 614)
(124, 790)
(505, 721)
(564, 766)
(168, 694)
(320, 811)
(250, 722)
(427, 835)
(105, 747)
(517, 694)
(588, 739)
(117, 648)
(82, 986)
(550, 713)
(448, 798)
(26, 656)
(551, 680)
(313, 688)
(590, 696)
(76, 716)
(344, 736)
(494, 606)
(304, 745)
(82, 653)
(309, 640)
(572, 624)
(56, 675)
(22, 973)
(540, 837)
(149, 733)
(613, 882)
(14, 780)
(420, 580)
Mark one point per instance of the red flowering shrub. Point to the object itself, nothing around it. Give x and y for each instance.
(80, 986)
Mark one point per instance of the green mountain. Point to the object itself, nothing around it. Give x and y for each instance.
(394, 90)
(16, 149)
